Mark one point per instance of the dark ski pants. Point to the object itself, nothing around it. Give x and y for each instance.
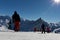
(43, 31)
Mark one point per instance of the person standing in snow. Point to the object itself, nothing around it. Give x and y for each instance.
(43, 28)
(16, 21)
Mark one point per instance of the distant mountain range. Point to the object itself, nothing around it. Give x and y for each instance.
(28, 25)
(4, 20)
(54, 26)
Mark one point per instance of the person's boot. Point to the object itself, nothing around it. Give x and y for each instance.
(42, 32)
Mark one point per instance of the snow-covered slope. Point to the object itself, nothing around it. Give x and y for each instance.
(28, 36)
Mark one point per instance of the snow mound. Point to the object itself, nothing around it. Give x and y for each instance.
(5, 29)
(56, 30)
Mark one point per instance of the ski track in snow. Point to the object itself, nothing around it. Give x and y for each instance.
(28, 36)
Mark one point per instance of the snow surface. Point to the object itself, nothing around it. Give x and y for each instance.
(6, 34)
(28, 36)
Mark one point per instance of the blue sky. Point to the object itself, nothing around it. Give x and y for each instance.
(31, 9)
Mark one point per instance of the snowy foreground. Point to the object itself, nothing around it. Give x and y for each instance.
(6, 34)
(28, 36)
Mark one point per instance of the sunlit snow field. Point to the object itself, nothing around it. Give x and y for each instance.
(6, 34)
(28, 36)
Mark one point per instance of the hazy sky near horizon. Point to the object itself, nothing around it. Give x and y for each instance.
(31, 9)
